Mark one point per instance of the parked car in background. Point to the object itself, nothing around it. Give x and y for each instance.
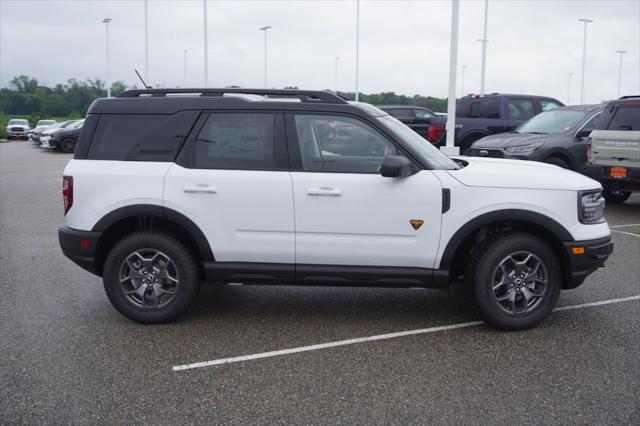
(615, 149)
(41, 125)
(46, 134)
(17, 128)
(558, 136)
(417, 118)
(65, 139)
(478, 116)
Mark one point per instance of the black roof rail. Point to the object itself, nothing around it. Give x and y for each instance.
(316, 96)
(629, 97)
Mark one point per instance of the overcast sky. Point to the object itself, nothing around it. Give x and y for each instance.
(404, 44)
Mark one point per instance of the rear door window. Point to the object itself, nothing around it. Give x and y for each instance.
(521, 109)
(401, 113)
(485, 108)
(422, 114)
(243, 141)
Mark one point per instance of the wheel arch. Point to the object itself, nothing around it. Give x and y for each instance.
(129, 219)
(460, 246)
(562, 156)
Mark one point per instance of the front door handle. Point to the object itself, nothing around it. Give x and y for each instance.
(334, 192)
(199, 187)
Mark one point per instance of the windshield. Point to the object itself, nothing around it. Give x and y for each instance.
(67, 123)
(45, 122)
(428, 153)
(18, 122)
(77, 124)
(553, 122)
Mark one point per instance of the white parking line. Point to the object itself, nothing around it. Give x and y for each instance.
(624, 232)
(624, 226)
(373, 338)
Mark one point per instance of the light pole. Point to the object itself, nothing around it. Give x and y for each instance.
(265, 29)
(449, 147)
(357, 46)
(206, 47)
(620, 52)
(146, 43)
(106, 21)
(462, 81)
(569, 89)
(335, 74)
(484, 46)
(584, 56)
(184, 68)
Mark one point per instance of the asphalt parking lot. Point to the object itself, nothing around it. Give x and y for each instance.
(68, 357)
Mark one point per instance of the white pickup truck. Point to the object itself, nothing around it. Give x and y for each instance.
(615, 149)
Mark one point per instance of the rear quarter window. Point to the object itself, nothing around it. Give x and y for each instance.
(140, 137)
(625, 118)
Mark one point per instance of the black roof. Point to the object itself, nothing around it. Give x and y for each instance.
(400, 106)
(169, 101)
(511, 95)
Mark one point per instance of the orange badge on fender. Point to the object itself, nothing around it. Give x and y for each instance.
(416, 223)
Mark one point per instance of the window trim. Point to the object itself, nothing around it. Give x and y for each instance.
(186, 156)
(295, 157)
(598, 113)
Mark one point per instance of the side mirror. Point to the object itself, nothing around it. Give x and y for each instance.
(584, 133)
(396, 166)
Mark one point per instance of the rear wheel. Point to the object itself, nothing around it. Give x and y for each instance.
(151, 277)
(615, 196)
(67, 146)
(517, 280)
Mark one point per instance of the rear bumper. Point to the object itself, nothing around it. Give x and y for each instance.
(585, 257)
(80, 247)
(603, 175)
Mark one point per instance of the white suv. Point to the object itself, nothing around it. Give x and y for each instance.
(169, 188)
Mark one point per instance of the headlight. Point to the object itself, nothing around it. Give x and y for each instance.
(591, 206)
(524, 148)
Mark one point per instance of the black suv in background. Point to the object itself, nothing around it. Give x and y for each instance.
(417, 118)
(478, 116)
(557, 137)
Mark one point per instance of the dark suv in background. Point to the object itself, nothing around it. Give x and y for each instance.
(417, 118)
(558, 136)
(478, 116)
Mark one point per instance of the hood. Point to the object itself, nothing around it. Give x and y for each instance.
(22, 126)
(501, 173)
(512, 139)
(50, 131)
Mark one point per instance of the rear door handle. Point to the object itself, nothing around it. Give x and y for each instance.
(199, 187)
(334, 192)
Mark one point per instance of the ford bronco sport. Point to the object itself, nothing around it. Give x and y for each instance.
(171, 188)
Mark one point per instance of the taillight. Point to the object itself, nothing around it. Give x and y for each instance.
(67, 192)
(589, 148)
(434, 132)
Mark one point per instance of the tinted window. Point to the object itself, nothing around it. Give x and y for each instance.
(553, 122)
(480, 108)
(236, 141)
(626, 118)
(140, 137)
(401, 113)
(463, 108)
(340, 144)
(521, 109)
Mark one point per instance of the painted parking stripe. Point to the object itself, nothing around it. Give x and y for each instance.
(624, 226)
(625, 233)
(373, 338)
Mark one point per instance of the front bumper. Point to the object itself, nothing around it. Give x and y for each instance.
(80, 247)
(585, 257)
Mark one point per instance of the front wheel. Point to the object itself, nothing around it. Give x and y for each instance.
(151, 277)
(517, 280)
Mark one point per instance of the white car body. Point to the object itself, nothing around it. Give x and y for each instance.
(228, 215)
